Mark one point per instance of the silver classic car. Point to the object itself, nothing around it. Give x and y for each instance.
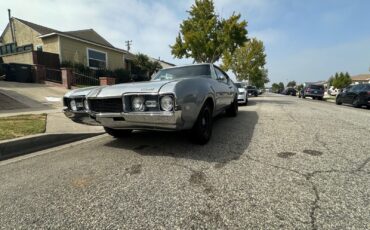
(178, 98)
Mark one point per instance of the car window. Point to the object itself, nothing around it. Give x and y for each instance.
(183, 72)
(220, 74)
(316, 87)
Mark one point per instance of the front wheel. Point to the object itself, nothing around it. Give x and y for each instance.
(202, 129)
(338, 101)
(356, 102)
(118, 133)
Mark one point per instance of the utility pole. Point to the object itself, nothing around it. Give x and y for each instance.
(128, 44)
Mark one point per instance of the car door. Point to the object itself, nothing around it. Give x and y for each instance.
(346, 94)
(225, 87)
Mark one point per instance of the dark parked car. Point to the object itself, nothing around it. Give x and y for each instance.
(252, 90)
(356, 95)
(313, 90)
(290, 91)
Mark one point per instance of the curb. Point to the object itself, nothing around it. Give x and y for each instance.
(22, 146)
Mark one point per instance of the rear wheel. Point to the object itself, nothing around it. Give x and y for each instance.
(117, 133)
(202, 129)
(319, 98)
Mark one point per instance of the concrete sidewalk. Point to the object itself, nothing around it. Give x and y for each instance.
(29, 98)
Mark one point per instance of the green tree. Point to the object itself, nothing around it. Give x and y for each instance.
(143, 67)
(341, 80)
(281, 86)
(275, 88)
(205, 37)
(300, 87)
(291, 84)
(248, 63)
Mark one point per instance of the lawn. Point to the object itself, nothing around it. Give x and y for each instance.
(22, 125)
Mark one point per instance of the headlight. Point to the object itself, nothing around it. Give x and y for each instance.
(167, 103)
(86, 105)
(73, 105)
(138, 104)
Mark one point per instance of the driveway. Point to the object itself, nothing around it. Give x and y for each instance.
(283, 163)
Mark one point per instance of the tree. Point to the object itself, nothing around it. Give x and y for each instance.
(205, 37)
(248, 63)
(342, 80)
(143, 67)
(300, 87)
(281, 86)
(291, 84)
(275, 88)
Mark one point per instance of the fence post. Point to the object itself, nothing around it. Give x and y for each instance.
(67, 76)
(107, 80)
(40, 73)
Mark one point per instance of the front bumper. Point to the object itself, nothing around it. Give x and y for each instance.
(141, 120)
(134, 120)
(242, 98)
(81, 117)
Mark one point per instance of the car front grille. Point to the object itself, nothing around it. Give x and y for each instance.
(107, 105)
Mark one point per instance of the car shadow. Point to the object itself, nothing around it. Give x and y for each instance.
(230, 138)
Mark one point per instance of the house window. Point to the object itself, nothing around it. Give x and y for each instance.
(97, 59)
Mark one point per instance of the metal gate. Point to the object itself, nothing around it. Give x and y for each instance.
(53, 75)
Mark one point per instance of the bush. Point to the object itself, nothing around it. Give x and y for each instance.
(122, 75)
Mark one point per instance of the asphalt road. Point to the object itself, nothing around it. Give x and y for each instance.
(283, 163)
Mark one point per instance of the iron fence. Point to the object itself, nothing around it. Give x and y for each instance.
(84, 79)
(53, 75)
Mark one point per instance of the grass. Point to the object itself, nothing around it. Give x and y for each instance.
(22, 125)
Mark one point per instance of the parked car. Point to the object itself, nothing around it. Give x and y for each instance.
(333, 91)
(315, 91)
(242, 93)
(177, 98)
(356, 95)
(252, 90)
(290, 91)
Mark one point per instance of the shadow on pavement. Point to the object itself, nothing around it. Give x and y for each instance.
(230, 139)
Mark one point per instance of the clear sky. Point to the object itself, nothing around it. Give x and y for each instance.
(305, 40)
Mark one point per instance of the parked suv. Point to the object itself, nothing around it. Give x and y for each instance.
(252, 90)
(356, 95)
(314, 91)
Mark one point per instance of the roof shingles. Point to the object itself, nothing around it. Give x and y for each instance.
(88, 35)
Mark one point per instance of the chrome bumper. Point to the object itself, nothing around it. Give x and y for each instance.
(81, 117)
(141, 120)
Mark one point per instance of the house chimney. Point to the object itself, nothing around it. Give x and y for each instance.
(11, 26)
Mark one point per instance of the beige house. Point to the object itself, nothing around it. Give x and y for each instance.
(20, 43)
(361, 79)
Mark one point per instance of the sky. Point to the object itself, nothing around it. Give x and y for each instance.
(304, 41)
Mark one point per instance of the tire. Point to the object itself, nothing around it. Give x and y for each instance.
(256, 94)
(313, 98)
(202, 129)
(246, 103)
(338, 101)
(304, 97)
(356, 102)
(118, 133)
(232, 111)
(319, 98)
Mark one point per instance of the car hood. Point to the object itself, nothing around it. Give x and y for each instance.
(136, 87)
(81, 91)
(241, 90)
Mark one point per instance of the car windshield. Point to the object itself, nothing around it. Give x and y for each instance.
(238, 85)
(183, 72)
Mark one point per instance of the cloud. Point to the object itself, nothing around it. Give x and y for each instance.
(151, 25)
